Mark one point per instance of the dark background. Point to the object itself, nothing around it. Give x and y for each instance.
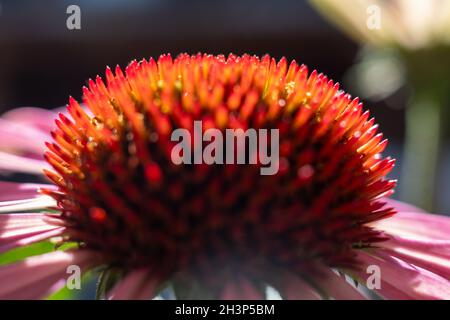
(42, 62)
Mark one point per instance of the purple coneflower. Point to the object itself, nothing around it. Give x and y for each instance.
(314, 230)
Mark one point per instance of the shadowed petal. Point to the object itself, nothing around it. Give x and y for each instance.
(42, 289)
(241, 289)
(292, 287)
(336, 286)
(137, 285)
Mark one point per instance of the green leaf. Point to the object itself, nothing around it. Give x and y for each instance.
(21, 253)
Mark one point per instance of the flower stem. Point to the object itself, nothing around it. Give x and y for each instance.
(426, 117)
(422, 148)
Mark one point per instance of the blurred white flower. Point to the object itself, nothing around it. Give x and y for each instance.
(405, 23)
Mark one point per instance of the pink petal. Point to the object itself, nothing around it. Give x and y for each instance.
(37, 118)
(21, 220)
(34, 276)
(440, 248)
(21, 232)
(40, 203)
(22, 229)
(410, 280)
(14, 163)
(21, 191)
(26, 239)
(22, 139)
(240, 289)
(148, 290)
(292, 287)
(400, 206)
(416, 225)
(390, 292)
(42, 289)
(432, 255)
(136, 285)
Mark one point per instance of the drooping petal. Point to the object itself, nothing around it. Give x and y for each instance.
(22, 139)
(33, 277)
(39, 290)
(292, 287)
(23, 220)
(416, 225)
(432, 255)
(241, 289)
(11, 191)
(22, 229)
(14, 163)
(390, 292)
(420, 239)
(40, 203)
(26, 239)
(400, 279)
(437, 247)
(400, 206)
(37, 118)
(137, 285)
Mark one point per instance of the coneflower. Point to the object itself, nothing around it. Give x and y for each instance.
(214, 231)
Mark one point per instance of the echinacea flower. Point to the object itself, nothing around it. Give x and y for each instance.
(214, 231)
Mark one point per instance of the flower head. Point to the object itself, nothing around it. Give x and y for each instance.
(224, 229)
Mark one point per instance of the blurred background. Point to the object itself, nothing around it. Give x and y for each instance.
(42, 62)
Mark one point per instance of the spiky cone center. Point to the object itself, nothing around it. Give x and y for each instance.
(121, 195)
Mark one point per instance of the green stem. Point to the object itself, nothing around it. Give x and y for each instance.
(422, 147)
(426, 117)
